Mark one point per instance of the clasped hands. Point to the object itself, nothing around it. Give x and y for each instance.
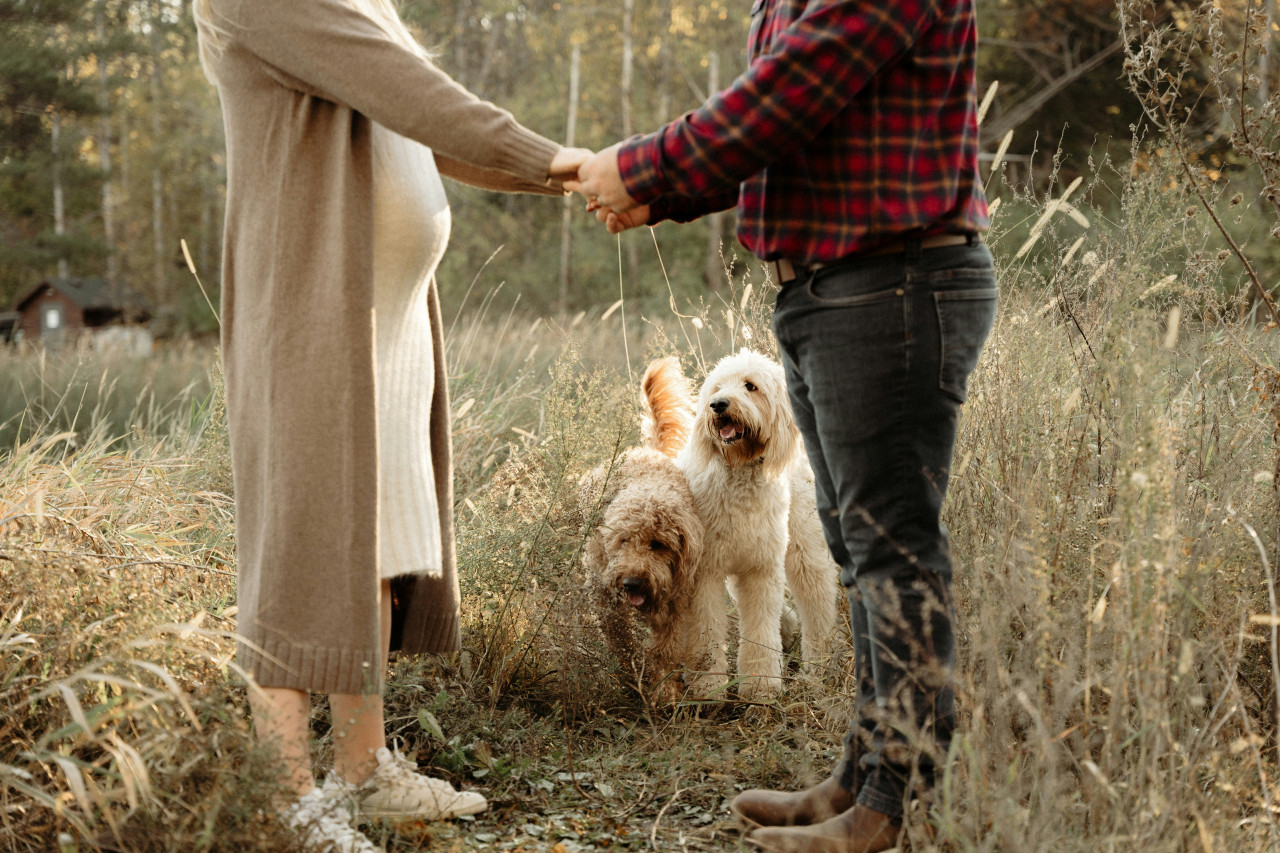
(596, 176)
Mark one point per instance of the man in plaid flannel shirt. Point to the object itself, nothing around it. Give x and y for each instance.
(849, 148)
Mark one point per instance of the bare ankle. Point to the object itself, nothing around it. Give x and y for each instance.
(355, 769)
(289, 796)
(354, 774)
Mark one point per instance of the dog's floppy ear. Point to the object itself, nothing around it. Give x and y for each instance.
(702, 448)
(594, 558)
(784, 438)
(689, 548)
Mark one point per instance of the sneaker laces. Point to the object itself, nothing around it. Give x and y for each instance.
(394, 771)
(397, 786)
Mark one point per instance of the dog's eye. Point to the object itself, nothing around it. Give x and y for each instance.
(751, 386)
(655, 545)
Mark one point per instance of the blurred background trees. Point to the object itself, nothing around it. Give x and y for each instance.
(111, 148)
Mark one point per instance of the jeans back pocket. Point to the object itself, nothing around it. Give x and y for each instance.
(965, 318)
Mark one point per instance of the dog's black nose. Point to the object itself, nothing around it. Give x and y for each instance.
(718, 406)
(632, 584)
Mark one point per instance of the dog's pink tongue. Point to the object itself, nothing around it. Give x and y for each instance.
(728, 431)
(636, 599)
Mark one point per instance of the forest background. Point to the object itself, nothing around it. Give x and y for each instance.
(1114, 504)
(111, 147)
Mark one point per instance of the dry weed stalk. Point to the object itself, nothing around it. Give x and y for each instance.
(1170, 51)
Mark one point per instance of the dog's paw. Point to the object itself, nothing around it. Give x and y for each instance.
(755, 688)
(705, 686)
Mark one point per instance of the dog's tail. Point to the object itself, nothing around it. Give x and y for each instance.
(668, 407)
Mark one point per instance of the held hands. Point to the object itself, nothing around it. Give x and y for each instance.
(601, 182)
(567, 166)
(564, 166)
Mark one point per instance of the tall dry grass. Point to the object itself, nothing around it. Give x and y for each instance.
(1114, 522)
(78, 390)
(1115, 506)
(124, 726)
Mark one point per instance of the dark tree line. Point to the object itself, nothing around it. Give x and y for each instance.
(111, 147)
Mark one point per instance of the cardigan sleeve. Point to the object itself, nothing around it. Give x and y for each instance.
(334, 51)
(493, 179)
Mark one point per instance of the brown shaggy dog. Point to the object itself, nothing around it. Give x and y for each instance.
(643, 550)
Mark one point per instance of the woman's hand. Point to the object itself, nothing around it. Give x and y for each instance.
(564, 166)
(601, 182)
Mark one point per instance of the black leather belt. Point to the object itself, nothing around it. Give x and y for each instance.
(785, 271)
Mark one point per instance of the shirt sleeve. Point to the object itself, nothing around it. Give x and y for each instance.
(813, 69)
(678, 208)
(683, 208)
(331, 50)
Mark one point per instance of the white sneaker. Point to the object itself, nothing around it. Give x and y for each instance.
(397, 791)
(323, 823)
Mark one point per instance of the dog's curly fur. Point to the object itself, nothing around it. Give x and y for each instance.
(643, 550)
(735, 505)
(754, 492)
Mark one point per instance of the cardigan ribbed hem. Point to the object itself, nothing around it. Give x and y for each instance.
(427, 630)
(529, 155)
(438, 635)
(273, 662)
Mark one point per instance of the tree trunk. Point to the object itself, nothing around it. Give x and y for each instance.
(158, 266)
(208, 236)
(714, 272)
(104, 145)
(995, 128)
(566, 234)
(628, 56)
(486, 62)
(628, 62)
(664, 64)
(59, 202)
(460, 43)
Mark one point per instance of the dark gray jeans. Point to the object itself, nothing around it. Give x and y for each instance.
(878, 353)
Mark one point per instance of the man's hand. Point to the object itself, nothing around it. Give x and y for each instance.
(564, 166)
(616, 222)
(600, 181)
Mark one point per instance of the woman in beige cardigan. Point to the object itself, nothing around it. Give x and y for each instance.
(337, 127)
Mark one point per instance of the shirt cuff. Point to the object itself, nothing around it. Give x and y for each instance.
(676, 208)
(638, 167)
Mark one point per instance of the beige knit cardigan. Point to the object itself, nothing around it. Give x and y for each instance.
(300, 81)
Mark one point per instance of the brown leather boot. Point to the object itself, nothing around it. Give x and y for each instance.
(858, 830)
(799, 808)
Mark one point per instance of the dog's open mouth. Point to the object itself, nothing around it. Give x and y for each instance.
(730, 430)
(636, 591)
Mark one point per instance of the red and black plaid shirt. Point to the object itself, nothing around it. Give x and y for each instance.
(856, 123)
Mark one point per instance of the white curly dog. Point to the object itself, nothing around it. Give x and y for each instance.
(754, 491)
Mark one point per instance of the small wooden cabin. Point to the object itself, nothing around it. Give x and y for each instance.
(62, 310)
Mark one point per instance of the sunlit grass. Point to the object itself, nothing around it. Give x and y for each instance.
(1113, 517)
